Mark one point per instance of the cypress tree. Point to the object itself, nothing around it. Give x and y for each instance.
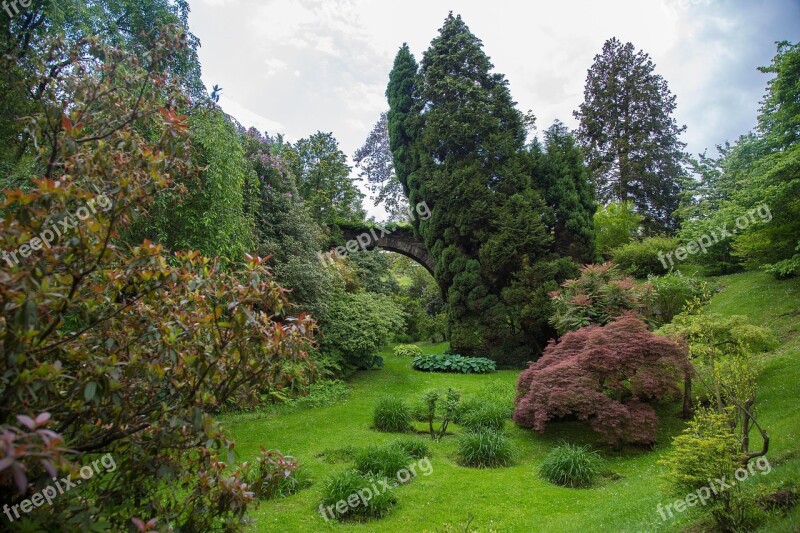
(402, 115)
(561, 175)
(466, 149)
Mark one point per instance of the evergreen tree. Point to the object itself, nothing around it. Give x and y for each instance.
(560, 174)
(630, 138)
(466, 146)
(402, 118)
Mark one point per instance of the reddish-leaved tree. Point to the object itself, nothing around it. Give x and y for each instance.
(606, 375)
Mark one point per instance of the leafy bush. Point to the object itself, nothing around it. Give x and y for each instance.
(272, 474)
(391, 414)
(131, 347)
(601, 294)
(342, 486)
(414, 447)
(385, 460)
(672, 291)
(604, 375)
(407, 350)
(570, 465)
(484, 416)
(453, 363)
(615, 225)
(708, 449)
(642, 259)
(485, 449)
(356, 326)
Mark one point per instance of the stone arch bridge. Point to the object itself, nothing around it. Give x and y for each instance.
(399, 239)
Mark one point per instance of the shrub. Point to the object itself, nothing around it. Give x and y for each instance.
(615, 224)
(672, 291)
(644, 258)
(385, 461)
(707, 450)
(272, 474)
(601, 294)
(125, 347)
(453, 363)
(485, 449)
(604, 375)
(356, 325)
(570, 465)
(342, 486)
(414, 447)
(407, 350)
(484, 416)
(443, 403)
(391, 414)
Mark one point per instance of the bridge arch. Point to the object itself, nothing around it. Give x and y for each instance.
(398, 239)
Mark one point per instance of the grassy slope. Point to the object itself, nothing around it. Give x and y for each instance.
(514, 498)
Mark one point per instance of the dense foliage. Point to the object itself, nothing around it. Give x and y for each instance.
(646, 257)
(127, 349)
(600, 295)
(454, 134)
(604, 375)
(631, 140)
(453, 363)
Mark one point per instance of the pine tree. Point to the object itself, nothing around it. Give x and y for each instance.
(630, 138)
(561, 175)
(466, 147)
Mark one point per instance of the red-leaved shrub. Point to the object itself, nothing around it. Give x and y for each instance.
(605, 375)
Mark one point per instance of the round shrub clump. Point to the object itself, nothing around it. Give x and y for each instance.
(414, 447)
(407, 350)
(484, 416)
(342, 486)
(384, 461)
(643, 258)
(570, 465)
(391, 414)
(485, 449)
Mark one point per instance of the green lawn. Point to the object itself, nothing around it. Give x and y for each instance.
(514, 498)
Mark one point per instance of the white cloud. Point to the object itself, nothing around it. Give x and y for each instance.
(707, 50)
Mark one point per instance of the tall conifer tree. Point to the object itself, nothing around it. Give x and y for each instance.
(630, 138)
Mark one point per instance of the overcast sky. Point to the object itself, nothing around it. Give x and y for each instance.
(299, 66)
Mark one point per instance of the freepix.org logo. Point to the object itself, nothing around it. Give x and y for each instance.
(57, 229)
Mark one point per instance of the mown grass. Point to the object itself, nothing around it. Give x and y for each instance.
(515, 498)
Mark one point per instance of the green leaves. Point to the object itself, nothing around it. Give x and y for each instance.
(453, 363)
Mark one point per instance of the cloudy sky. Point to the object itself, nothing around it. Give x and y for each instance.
(299, 66)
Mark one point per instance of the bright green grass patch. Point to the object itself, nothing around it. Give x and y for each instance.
(516, 498)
